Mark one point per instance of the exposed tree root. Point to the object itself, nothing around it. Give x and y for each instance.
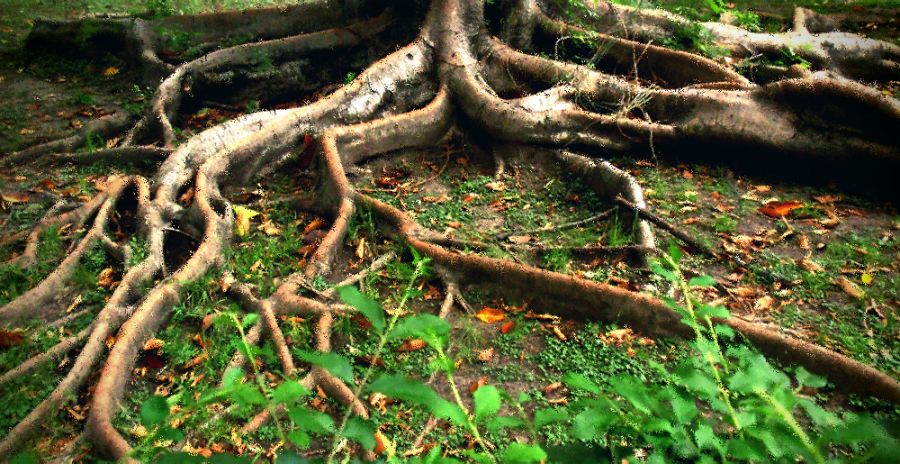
(453, 75)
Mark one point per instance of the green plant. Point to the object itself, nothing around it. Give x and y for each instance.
(725, 405)
(748, 20)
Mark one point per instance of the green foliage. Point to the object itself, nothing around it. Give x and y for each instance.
(731, 405)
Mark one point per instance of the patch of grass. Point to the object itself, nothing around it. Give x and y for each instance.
(724, 223)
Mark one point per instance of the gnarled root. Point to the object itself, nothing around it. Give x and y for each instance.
(649, 99)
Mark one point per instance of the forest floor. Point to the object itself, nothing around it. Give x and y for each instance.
(822, 264)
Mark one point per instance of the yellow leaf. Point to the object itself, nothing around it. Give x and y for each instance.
(110, 71)
(490, 315)
(866, 278)
(242, 217)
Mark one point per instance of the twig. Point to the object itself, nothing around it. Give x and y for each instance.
(564, 226)
(663, 224)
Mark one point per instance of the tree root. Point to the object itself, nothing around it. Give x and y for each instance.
(453, 74)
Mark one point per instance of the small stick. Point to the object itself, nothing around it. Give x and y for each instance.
(564, 226)
(663, 224)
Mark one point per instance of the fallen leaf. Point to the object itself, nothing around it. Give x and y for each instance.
(196, 360)
(441, 199)
(208, 320)
(809, 265)
(317, 223)
(486, 355)
(454, 224)
(269, 228)
(482, 381)
(827, 199)
(153, 344)
(617, 336)
(469, 197)
(495, 186)
(550, 388)
(105, 279)
(379, 401)
(9, 338)
(762, 188)
(432, 293)
(742, 292)
(520, 239)
(763, 304)
(14, 197)
(490, 315)
(803, 242)
(866, 278)
(383, 445)
(413, 344)
(507, 326)
(849, 287)
(361, 248)
(242, 217)
(110, 71)
(779, 209)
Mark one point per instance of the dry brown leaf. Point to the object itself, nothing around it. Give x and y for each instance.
(495, 186)
(432, 293)
(763, 304)
(383, 445)
(269, 228)
(550, 388)
(379, 401)
(803, 242)
(14, 197)
(317, 223)
(742, 292)
(105, 279)
(779, 209)
(413, 344)
(441, 199)
(10, 338)
(490, 315)
(196, 360)
(361, 248)
(486, 355)
(482, 381)
(762, 188)
(827, 199)
(809, 265)
(850, 288)
(153, 344)
(469, 197)
(520, 239)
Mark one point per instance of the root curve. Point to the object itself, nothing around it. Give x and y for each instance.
(452, 75)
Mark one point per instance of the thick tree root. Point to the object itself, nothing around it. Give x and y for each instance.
(453, 75)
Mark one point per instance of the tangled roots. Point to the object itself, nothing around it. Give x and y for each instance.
(454, 74)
